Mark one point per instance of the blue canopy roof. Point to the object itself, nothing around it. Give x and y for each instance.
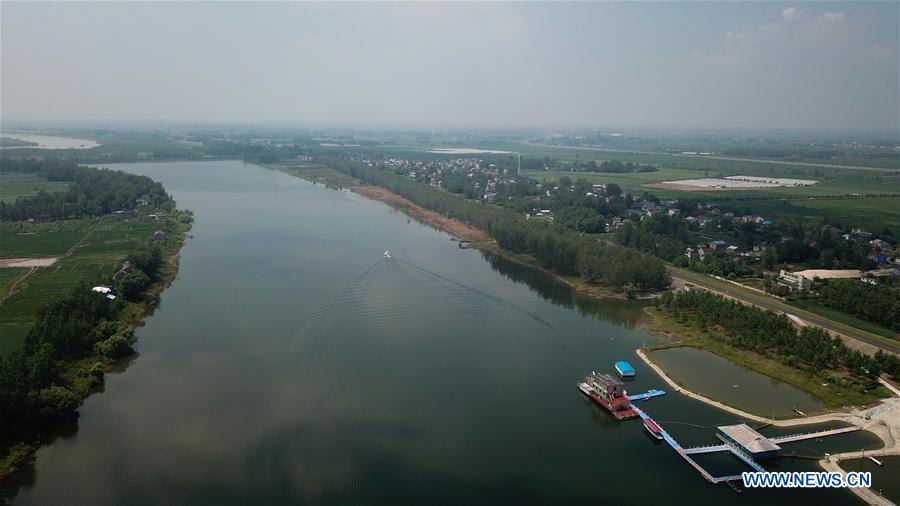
(624, 366)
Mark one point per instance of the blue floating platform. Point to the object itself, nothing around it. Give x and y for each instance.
(624, 369)
(647, 395)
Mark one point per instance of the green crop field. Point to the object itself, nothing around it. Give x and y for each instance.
(37, 245)
(103, 252)
(23, 240)
(17, 184)
(843, 184)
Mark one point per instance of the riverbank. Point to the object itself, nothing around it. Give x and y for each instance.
(687, 334)
(84, 376)
(479, 239)
(835, 398)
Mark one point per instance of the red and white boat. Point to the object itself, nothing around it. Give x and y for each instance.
(651, 426)
(608, 392)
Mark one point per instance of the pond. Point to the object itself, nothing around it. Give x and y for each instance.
(708, 374)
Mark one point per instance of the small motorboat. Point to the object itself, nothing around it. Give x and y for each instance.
(387, 254)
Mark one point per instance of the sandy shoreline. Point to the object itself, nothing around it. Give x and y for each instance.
(452, 226)
(480, 240)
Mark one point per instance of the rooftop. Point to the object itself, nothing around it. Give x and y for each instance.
(624, 366)
(606, 380)
(748, 438)
(829, 273)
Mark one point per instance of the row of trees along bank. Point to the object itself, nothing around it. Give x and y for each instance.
(773, 335)
(64, 355)
(91, 192)
(554, 246)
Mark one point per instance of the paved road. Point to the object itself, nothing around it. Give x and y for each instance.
(776, 305)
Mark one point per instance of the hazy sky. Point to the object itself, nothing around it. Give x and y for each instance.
(675, 64)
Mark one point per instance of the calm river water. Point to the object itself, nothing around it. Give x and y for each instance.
(291, 362)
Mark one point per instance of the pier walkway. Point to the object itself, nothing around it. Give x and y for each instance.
(686, 453)
(686, 456)
(706, 449)
(647, 395)
(812, 435)
(776, 439)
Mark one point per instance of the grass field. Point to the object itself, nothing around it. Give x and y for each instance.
(18, 184)
(104, 250)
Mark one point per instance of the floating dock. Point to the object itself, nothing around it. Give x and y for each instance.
(742, 453)
(776, 439)
(741, 440)
(647, 395)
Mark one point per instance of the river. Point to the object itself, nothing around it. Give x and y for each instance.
(290, 361)
(50, 141)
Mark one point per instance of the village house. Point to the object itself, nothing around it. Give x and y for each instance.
(879, 244)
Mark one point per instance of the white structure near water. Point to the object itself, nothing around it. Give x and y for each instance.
(738, 182)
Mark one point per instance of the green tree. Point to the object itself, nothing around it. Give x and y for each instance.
(131, 285)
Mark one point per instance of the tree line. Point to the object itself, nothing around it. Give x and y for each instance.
(662, 236)
(875, 303)
(555, 247)
(773, 335)
(37, 383)
(92, 192)
(610, 166)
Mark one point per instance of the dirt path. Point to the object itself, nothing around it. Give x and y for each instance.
(15, 286)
